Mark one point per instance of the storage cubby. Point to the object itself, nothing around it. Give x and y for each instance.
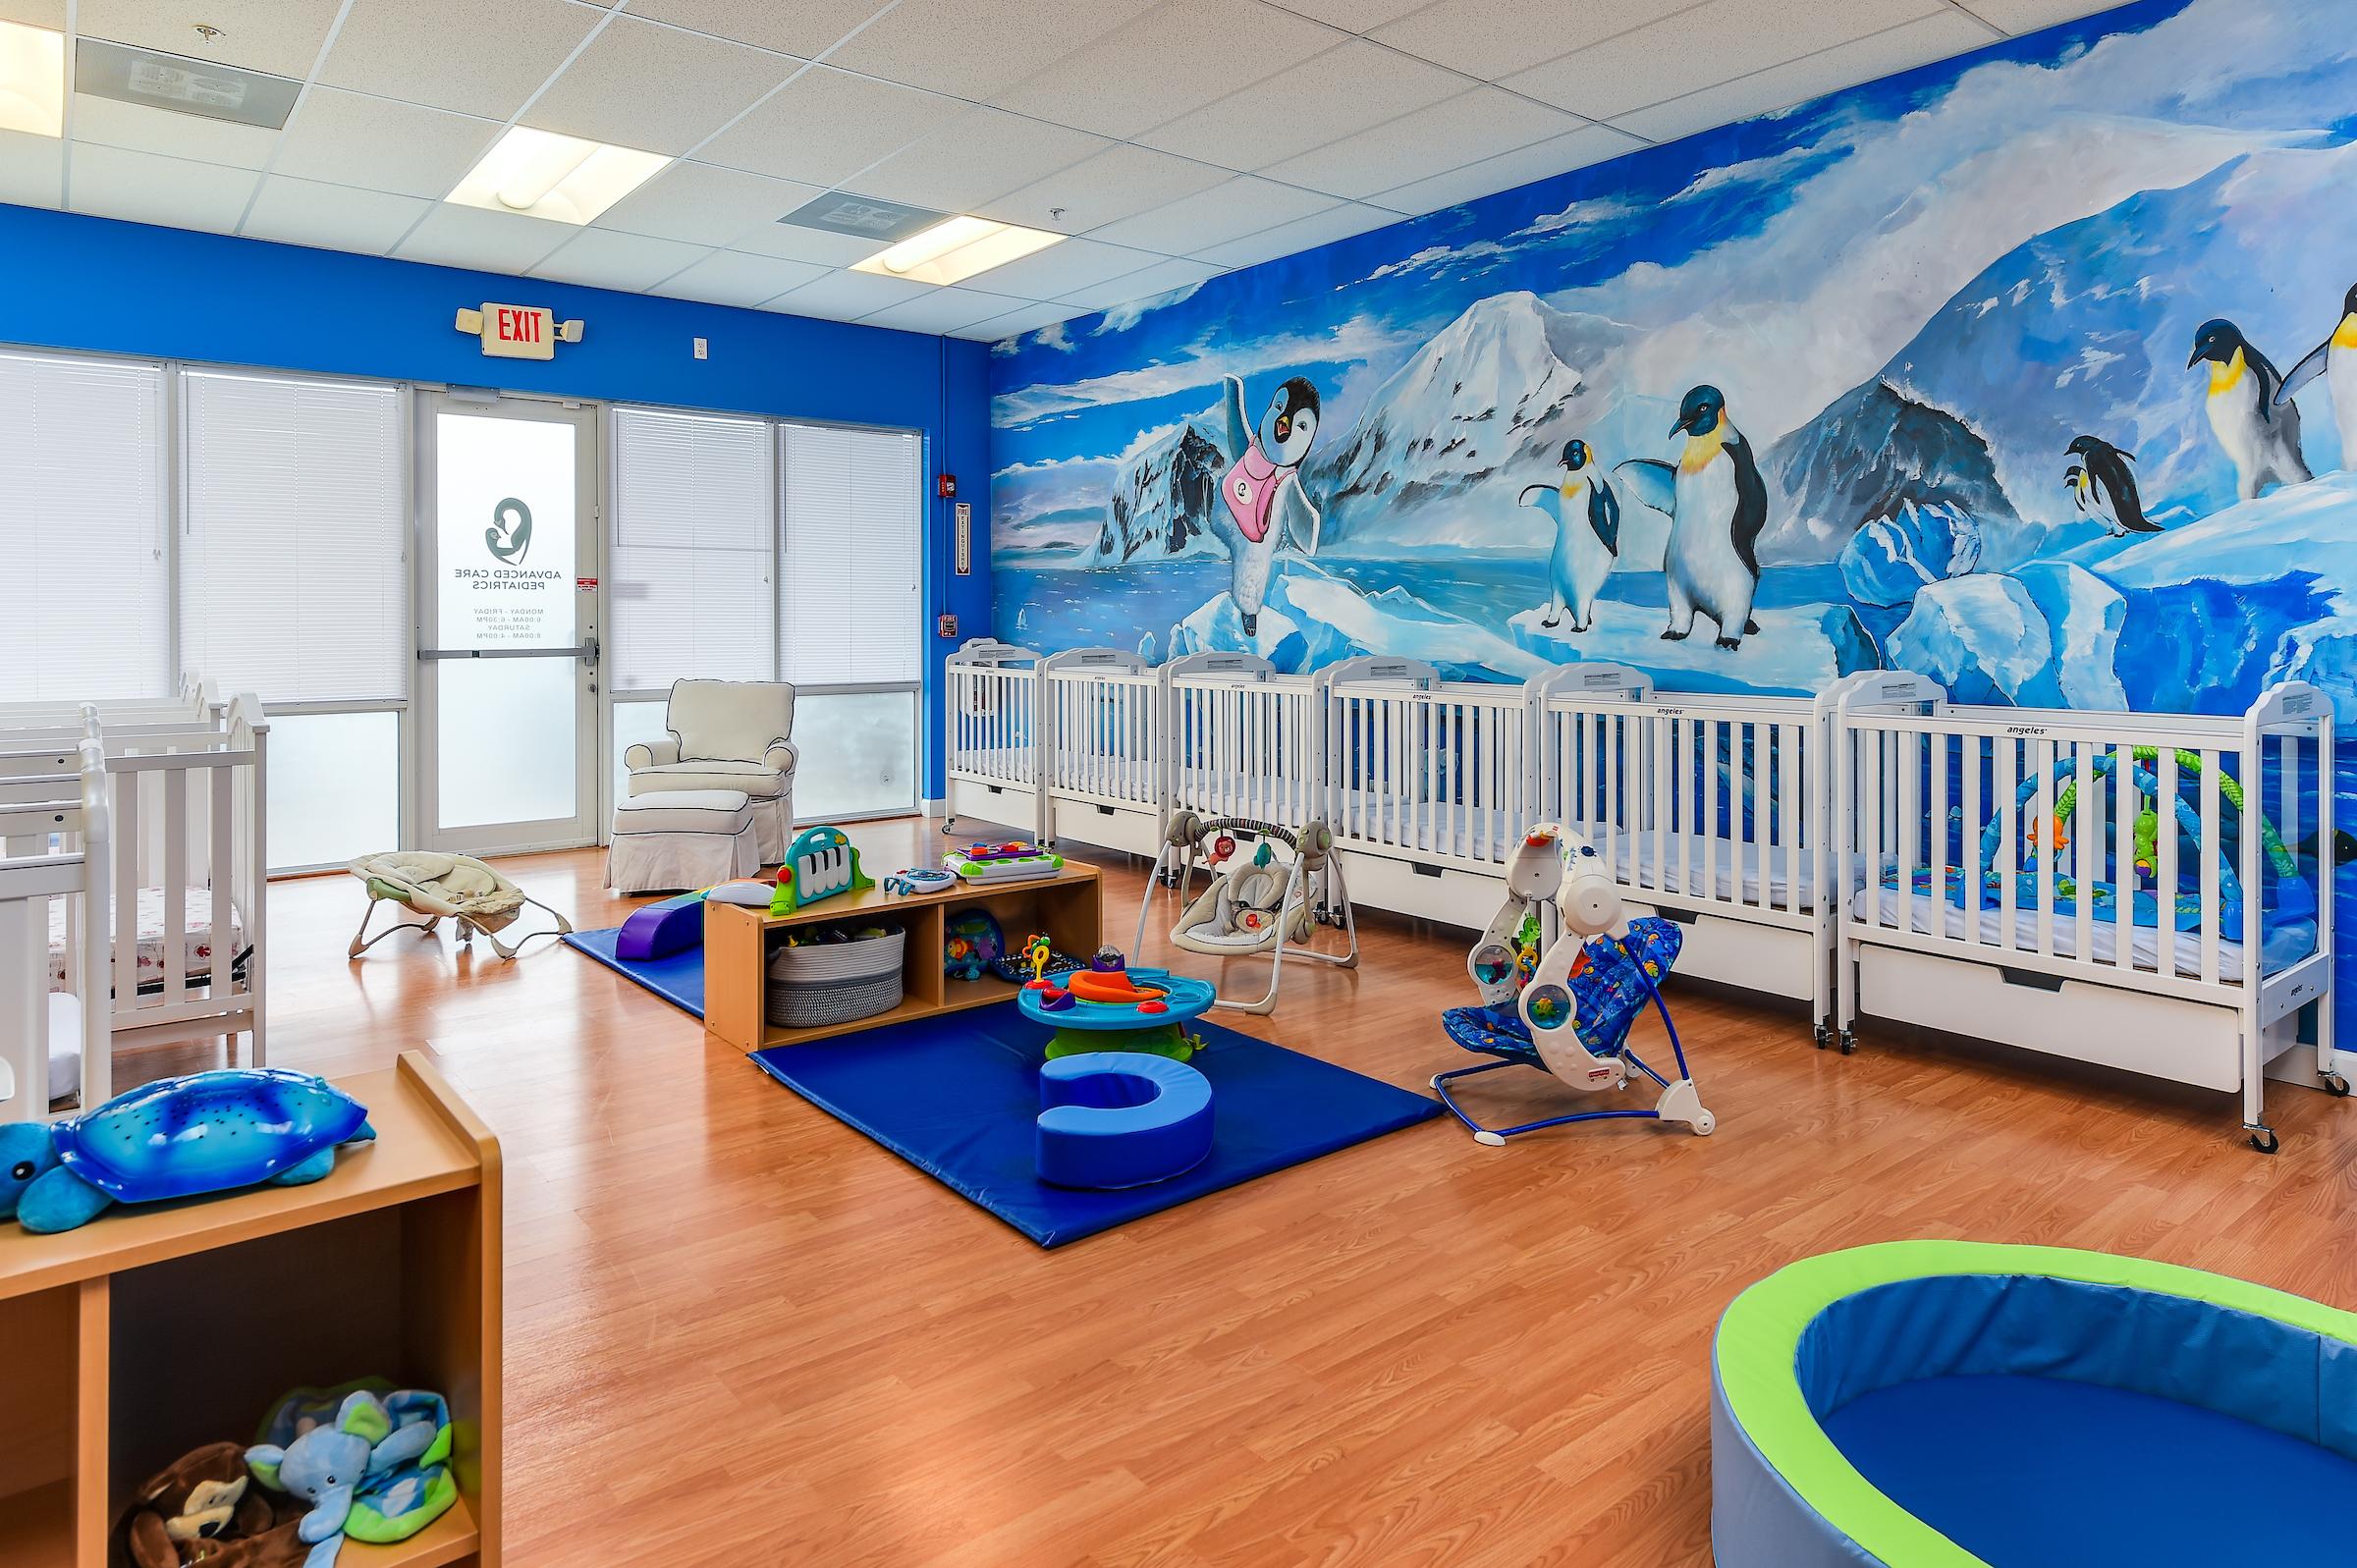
(153, 1330)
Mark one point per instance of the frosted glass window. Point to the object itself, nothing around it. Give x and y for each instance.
(852, 595)
(83, 590)
(294, 566)
(335, 787)
(508, 748)
(858, 754)
(688, 581)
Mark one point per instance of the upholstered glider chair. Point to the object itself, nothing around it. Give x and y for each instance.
(727, 735)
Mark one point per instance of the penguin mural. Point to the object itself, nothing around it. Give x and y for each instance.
(1263, 488)
(2262, 439)
(1717, 505)
(2107, 491)
(1587, 535)
(2335, 359)
(2074, 480)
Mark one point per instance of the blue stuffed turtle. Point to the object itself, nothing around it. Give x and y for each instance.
(184, 1137)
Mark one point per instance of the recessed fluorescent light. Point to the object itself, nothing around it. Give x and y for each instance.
(542, 175)
(32, 79)
(955, 250)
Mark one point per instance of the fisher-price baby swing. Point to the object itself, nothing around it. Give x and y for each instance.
(1567, 1007)
(1259, 904)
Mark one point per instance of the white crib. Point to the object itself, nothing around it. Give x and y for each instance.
(993, 744)
(54, 846)
(1712, 811)
(1429, 783)
(1103, 728)
(1968, 835)
(1239, 739)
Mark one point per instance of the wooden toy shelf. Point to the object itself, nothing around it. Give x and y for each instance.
(150, 1331)
(1068, 906)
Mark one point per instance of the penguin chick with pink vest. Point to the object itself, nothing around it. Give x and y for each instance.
(1263, 491)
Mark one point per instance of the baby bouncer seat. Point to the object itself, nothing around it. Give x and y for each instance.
(1255, 903)
(439, 886)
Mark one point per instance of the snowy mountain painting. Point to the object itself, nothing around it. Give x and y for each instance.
(1898, 306)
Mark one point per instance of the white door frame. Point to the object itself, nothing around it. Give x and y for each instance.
(589, 786)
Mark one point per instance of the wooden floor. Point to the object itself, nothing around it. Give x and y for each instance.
(738, 1332)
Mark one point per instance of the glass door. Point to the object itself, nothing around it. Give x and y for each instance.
(506, 625)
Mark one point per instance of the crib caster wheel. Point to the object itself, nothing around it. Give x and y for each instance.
(1850, 1042)
(1488, 1140)
(2265, 1141)
(2337, 1086)
(1824, 1036)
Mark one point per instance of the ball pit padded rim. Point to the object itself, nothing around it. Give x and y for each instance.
(1759, 1339)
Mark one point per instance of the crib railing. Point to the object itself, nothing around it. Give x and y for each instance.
(1239, 739)
(53, 851)
(990, 708)
(1104, 726)
(1427, 770)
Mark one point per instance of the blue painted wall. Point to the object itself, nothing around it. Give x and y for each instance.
(72, 282)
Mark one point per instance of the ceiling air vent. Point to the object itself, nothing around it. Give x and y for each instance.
(862, 217)
(185, 85)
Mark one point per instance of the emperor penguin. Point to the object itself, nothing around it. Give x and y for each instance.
(2335, 359)
(2074, 480)
(1587, 535)
(1263, 488)
(2106, 490)
(2262, 439)
(1717, 505)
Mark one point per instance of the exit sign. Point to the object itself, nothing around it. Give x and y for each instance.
(518, 332)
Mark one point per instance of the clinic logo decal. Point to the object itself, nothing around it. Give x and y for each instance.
(510, 535)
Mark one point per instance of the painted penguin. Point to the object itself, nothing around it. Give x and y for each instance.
(2335, 359)
(1263, 488)
(2107, 489)
(2074, 480)
(1717, 505)
(1587, 535)
(2262, 439)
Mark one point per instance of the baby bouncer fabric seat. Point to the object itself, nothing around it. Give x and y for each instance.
(441, 887)
(727, 735)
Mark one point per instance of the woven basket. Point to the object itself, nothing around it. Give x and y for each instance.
(812, 988)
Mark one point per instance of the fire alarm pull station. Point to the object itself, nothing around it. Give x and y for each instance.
(947, 486)
(946, 626)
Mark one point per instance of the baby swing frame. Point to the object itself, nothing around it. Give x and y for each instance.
(1496, 1137)
(1312, 847)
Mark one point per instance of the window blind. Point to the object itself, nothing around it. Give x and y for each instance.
(83, 532)
(294, 569)
(851, 597)
(690, 575)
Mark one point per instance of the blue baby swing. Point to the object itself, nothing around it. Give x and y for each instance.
(1568, 1009)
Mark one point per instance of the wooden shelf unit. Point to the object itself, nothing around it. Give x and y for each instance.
(153, 1330)
(1068, 906)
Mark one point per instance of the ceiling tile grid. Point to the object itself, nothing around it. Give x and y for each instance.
(1174, 140)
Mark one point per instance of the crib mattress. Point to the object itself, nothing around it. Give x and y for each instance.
(2284, 947)
(197, 936)
(1792, 878)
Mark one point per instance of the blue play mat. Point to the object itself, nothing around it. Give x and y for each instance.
(678, 979)
(957, 1097)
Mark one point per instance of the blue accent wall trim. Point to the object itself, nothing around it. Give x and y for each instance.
(74, 282)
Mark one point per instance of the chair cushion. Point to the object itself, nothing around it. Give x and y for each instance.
(730, 721)
(755, 779)
(719, 811)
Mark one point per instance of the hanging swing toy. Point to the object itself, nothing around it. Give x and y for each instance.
(1259, 904)
(1566, 1007)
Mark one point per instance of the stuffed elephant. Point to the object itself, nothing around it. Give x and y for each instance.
(326, 1465)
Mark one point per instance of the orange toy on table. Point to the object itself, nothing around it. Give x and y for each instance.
(1093, 986)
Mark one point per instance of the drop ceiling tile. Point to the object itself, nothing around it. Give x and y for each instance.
(32, 169)
(1118, 182)
(1228, 212)
(278, 35)
(50, 14)
(352, 139)
(143, 128)
(1176, 58)
(1303, 233)
(2028, 15)
(1918, 43)
(705, 203)
(1715, 42)
(1493, 38)
(304, 212)
(1061, 268)
(804, 27)
(1352, 16)
(846, 296)
(658, 89)
(1475, 125)
(1143, 284)
(1341, 92)
(825, 126)
(456, 54)
(976, 50)
(734, 278)
(486, 242)
(791, 242)
(981, 154)
(1015, 323)
(605, 259)
(116, 182)
(1556, 155)
(942, 311)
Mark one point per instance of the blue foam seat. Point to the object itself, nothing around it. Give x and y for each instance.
(1120, 1118)
(661, 929)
